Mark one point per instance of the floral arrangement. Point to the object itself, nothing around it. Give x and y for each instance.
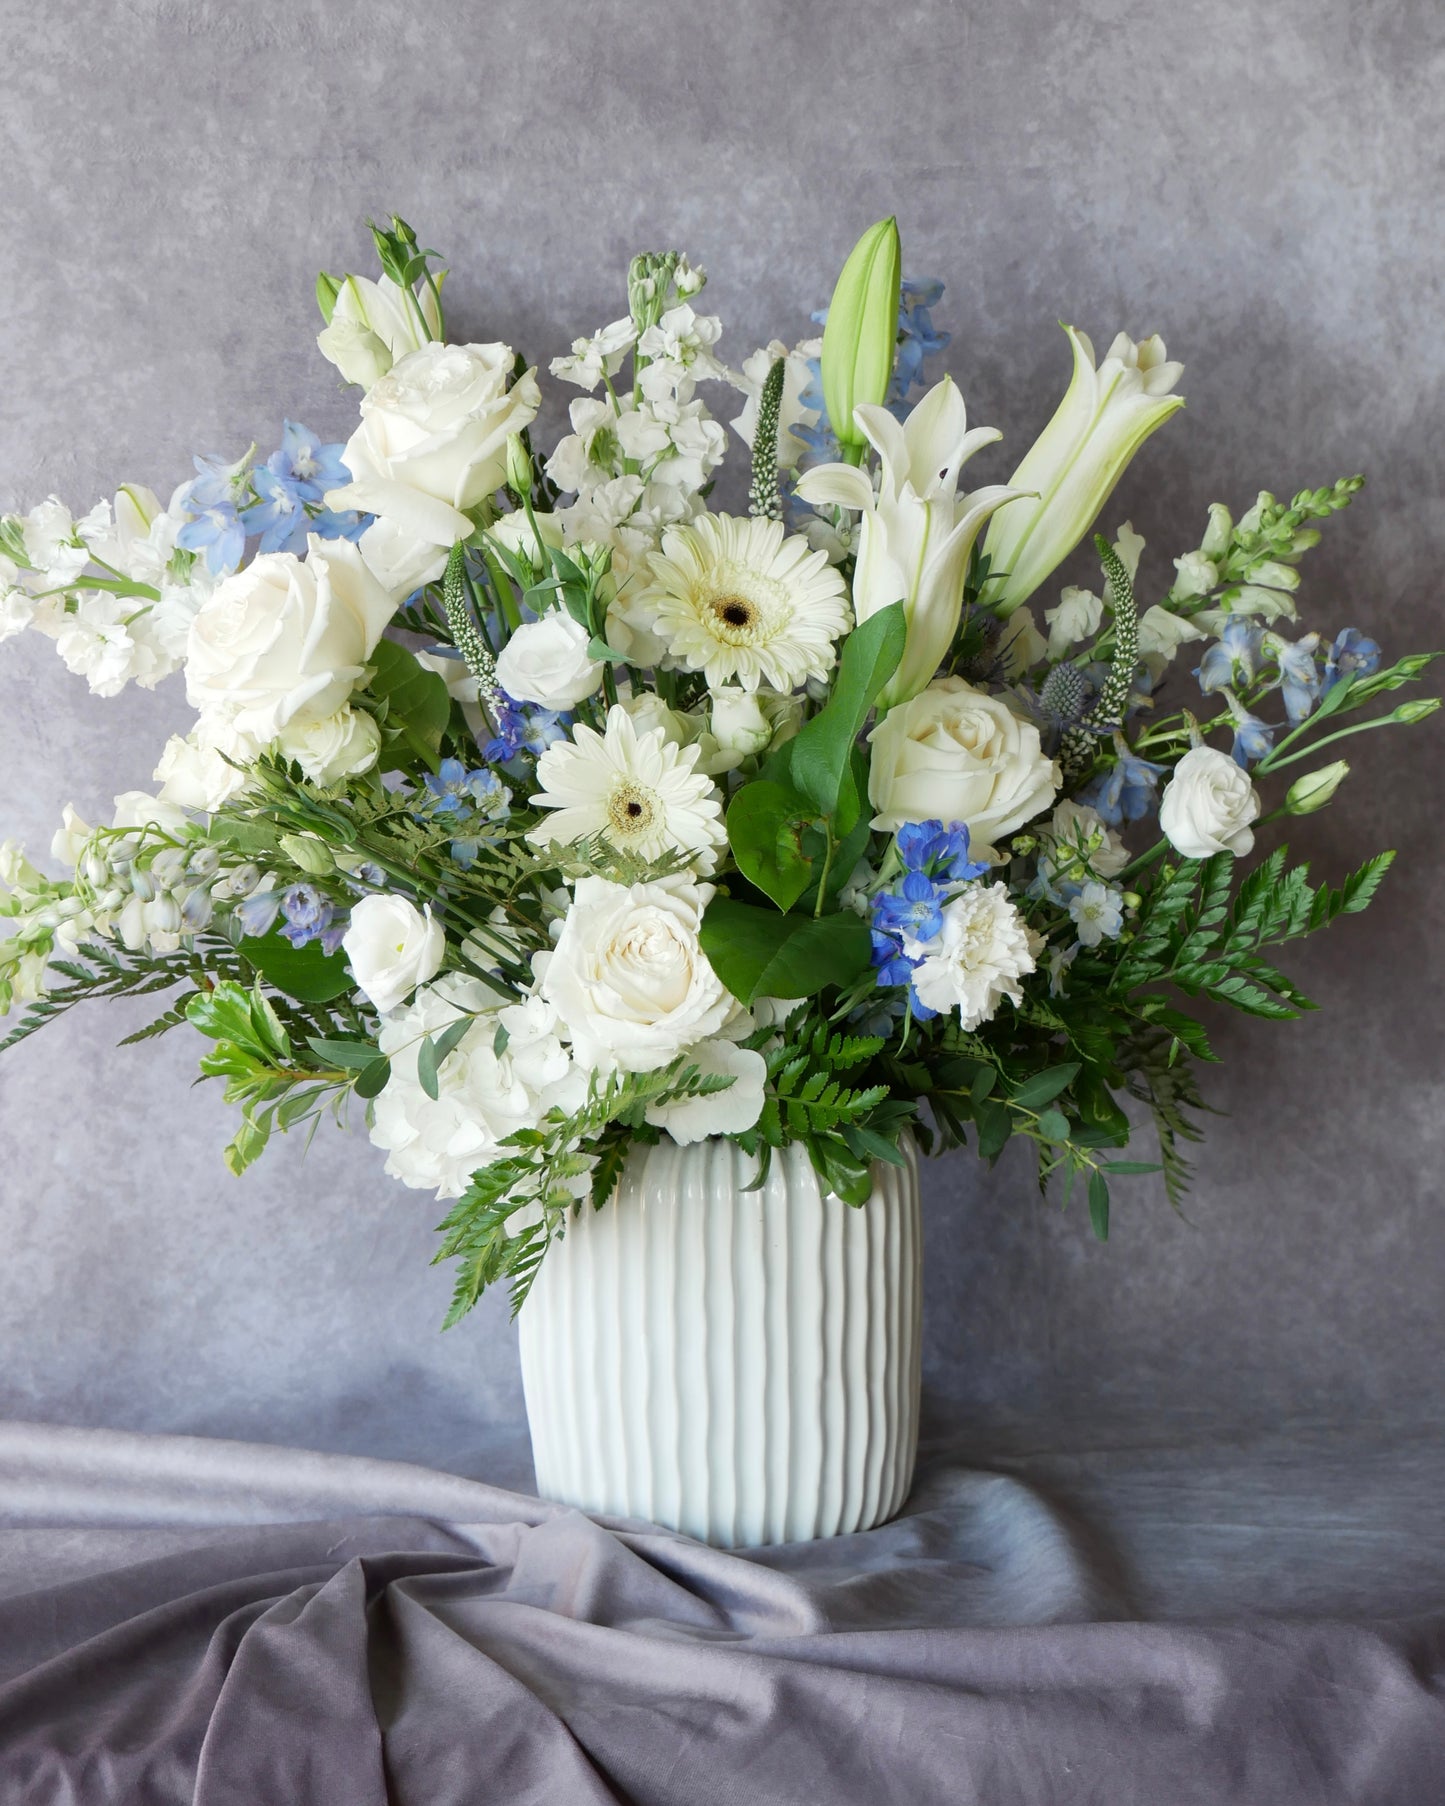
(545, 807)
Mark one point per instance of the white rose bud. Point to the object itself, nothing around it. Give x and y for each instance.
(393, 947)
(1208, 806)
(953, 753)
(738, 723)
(547, 662)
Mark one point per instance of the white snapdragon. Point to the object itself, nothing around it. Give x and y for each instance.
(393, 947)
(1209, 805)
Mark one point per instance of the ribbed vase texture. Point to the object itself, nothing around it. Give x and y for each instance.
(739, 1365)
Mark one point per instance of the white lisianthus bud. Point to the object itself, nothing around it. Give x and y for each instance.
(1106, 415)
(372, 324)
(342, 745)
(1209, 805)
(393, 947)
(1316, 788)
(547, 662)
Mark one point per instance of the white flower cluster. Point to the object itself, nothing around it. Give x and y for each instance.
(110, 589)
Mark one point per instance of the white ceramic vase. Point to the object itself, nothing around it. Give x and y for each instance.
(739, 1365)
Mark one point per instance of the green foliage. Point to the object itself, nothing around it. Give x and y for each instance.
(413, 702)
(103, 969)
(818, 759)
(305, 973)
(759, 953)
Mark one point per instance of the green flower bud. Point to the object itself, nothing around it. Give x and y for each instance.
(519, 466)
(327, 289)
(1409, 713)
(313, 856)
(861, 333)
(1316, 788)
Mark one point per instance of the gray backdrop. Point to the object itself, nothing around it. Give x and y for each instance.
(1257, 182)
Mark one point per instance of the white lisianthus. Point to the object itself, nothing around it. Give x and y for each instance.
(373, 324)
(628, 978)
(547, 662)
(433, 439)
(69, 840)
(393, 947)
(339, 746)
(1209, 805)
(285, 639)
(737, 599)
(437, 1143)
(727, 1112)
(916, 533)
(982, 951)
(640, 792)
(1071, 469)
(954, 753)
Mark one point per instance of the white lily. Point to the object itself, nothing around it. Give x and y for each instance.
(916, 531)
(1106, 415)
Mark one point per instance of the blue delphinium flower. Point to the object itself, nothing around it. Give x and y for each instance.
(217, 531)
(258, 913)
(290, 489)
(307, 465)
(892, 964)
(918, 339)
(1233, 659)
(464, 801)
(1253, 738)
(307, 914)
(912, 912)
(927, 846)
(1352, 655)
(278, 516)
(1126, 792)
(1298, 675)
(523, 729)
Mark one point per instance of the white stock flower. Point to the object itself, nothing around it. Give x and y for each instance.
(372, 325)
(547, 662)
(954, 753)
(393, 947)
(591, 454)
(1209, 805)
(726, 1112)
(915, 535)
(736, 599)
(49, 536)
(1071, 469)
(433, 439)
(338, 746)
(983, 949)
(601, 355)
(285, 640)
(683, 340)
(792, 412)
(437, 1143)
(636, 790)
(628, 977)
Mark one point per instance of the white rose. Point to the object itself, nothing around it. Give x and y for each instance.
(739, 726)
(393, 947)
(284, 640)
(400, 562)
(342, 745)
(628, 977)
(1208, 805)
(718, 1112)
(197, 771)
(953, 753)
(433, 438)
(547, 662)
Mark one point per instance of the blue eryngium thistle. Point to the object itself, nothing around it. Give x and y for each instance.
(861, 334)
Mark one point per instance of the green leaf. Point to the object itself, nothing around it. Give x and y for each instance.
(433, 1051)
(995, 1125)
(305, 973)
(1043, 1087)
(759, 954)
(417, 702)
(1132, 1166)
(371, 1080)
(820, 756)
(343, 1053)
(1099, 1204)
(765, 823)
(1054, 1126)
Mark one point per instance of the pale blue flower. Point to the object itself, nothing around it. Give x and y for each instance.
(1233, 659)
(217, 531)
(1298, 675)
(1253, 738)
(1126, 792)
(1097, 913)
(257, 915)
(1352, 655)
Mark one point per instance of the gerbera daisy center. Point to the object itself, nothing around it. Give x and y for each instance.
(631, 810)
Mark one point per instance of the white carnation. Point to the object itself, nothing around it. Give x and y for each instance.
(983, 950)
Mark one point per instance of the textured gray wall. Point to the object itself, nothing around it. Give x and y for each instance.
(1259, 182)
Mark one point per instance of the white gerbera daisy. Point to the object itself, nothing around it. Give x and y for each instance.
(735, 599)
(984, 949)
(637, 790)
